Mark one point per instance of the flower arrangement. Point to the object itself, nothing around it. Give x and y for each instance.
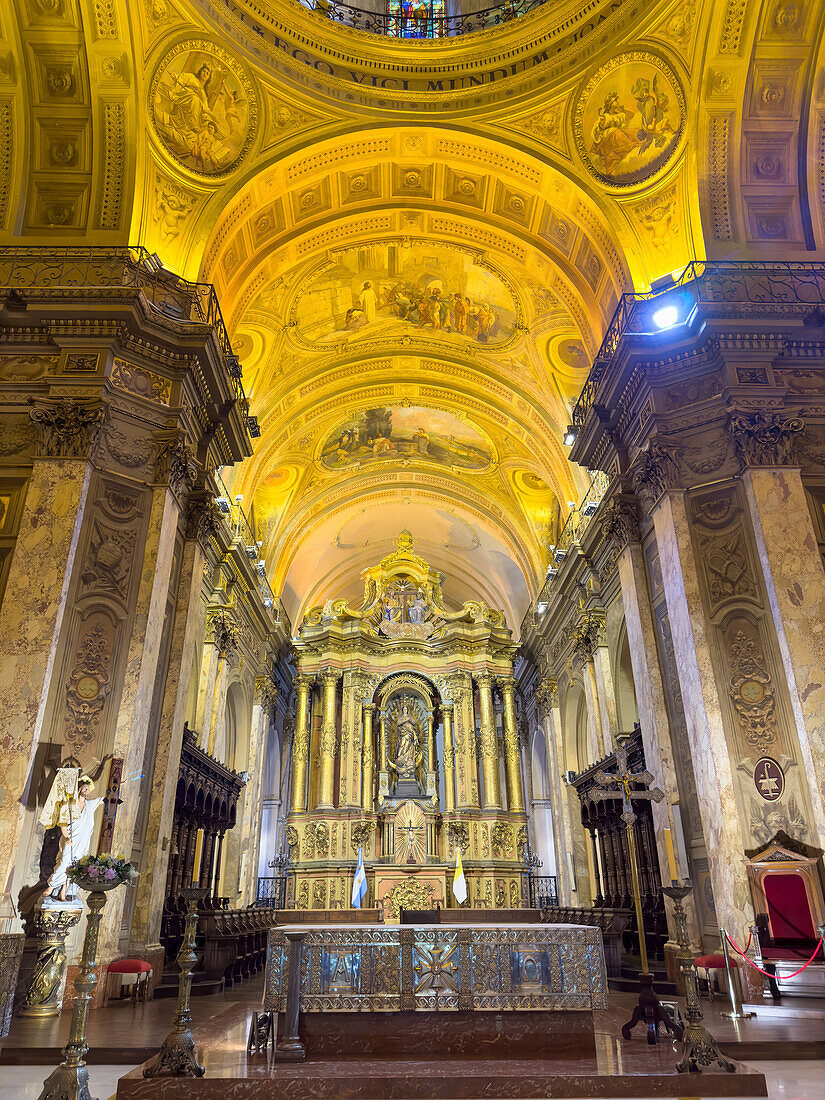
(102, 872)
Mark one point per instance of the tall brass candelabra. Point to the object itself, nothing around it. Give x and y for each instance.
(177, 1057)
(70, 1081)
(699, 1048)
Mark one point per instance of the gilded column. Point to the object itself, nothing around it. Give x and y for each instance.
(328, 743)
(489, 743)
(300, 744)
(367, 759)
(449, 758)
(512, 755)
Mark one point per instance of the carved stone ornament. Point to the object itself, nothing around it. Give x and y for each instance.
(360, 834)
(501, 837)
(292, 841)
(765, 439)
(653, 473)
(588, 635)
(176, 465)
(547, 697)
(411, 894)
(67, 427)
(88, 687)
(752, 693)
(203, 519)
(266, 692)
(620, 521)
(223, 634)
(458, 835)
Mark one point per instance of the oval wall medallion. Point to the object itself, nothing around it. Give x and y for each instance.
(769, 779)
(630, 119)
(203, 107)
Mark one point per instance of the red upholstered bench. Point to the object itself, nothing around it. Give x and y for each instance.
(140, 968)
(712, 962)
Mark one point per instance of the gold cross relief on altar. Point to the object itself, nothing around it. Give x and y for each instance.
(435, 969)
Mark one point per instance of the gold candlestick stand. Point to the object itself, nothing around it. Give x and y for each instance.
(699, 1048)
(177, 1057)
(70, 1081)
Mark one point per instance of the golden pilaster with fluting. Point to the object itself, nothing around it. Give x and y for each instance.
(449, 758)
(300, 745)
(328, 742)
(489, 743)
(367, 759)
(512, 755)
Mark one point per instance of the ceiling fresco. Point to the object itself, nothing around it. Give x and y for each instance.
(388, 290)
(414, 227)
(412, 433)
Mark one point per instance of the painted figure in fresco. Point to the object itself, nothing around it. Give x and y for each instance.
(368, 302)
(200, 117)
(422, 442)
(652, 105)
(612, 140)
(459, 314)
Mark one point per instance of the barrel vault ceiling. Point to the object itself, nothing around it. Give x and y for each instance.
(347, 189)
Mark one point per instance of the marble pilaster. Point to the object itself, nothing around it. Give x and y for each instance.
(595, 729)
(251, 822)
(703, 712)
(795, 583)
(605, 695)
(550, 718)
(31, 621)
(139, 683)
(148, 910)
(652, 708)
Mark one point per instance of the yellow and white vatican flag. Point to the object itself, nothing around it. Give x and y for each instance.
(359, 885)
(459, 881)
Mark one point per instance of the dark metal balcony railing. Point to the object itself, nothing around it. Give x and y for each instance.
(271, 892)
(129, 266)
(541, 890)
(419, 20)
(716, 286)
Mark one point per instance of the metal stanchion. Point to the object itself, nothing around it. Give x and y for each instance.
(736, 1012)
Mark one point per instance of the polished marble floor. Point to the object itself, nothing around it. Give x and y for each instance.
(128, 1028)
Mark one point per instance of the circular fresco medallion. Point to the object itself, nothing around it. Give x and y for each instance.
(630, 119)
(203, 107)
(769, 779)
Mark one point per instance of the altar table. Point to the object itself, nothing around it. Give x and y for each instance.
(469, 967)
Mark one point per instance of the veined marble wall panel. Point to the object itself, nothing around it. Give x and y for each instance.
(758, 720)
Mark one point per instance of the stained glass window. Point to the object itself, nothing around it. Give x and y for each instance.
(415, 18)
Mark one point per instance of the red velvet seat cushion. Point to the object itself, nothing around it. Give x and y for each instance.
(129, 966)
(712, 962)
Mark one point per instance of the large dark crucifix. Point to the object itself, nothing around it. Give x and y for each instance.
(629, 785)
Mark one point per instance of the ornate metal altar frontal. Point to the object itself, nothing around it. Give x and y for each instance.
(439, 968)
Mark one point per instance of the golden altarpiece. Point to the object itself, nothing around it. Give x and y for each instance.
(406, 746)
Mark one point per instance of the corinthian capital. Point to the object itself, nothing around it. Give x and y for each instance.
(67, 427)
(765, 439)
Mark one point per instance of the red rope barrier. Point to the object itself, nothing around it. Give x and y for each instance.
(777, 977)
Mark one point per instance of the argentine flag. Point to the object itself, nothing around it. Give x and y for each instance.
(359, 886)
(459, 882)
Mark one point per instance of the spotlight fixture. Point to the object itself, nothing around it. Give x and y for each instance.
(570, 436)
(262, 569)
(666, 317)
(224, 505)
(591, 507)
(252, 551)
